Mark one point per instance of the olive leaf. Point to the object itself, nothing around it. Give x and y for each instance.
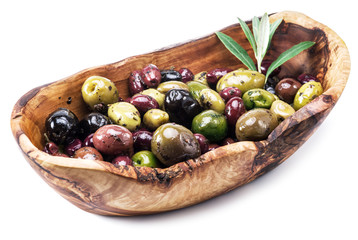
(287, 55)
(273, 28)
(237, 50)
(248, 35)
(262, 40)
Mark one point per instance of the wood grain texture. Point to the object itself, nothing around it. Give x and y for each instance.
(101, 188)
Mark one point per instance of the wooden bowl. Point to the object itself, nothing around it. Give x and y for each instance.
(99, 187)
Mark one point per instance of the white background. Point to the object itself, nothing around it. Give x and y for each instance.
(313, 195)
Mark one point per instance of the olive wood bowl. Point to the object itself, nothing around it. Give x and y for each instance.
(100, 187)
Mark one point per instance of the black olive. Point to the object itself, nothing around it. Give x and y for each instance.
(91, 122)
(181, 107)
(62, 126)
(170, 75)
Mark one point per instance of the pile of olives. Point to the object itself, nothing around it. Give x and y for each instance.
(173, 116)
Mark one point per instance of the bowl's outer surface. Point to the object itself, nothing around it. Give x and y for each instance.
(101, 188)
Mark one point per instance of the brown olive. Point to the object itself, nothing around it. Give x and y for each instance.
(287, 88)
(89, 153)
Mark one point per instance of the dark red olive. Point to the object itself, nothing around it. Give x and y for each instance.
(265, 64)
(230, 92)
(122, 161)
(234, 108)
(142, 140)
(51, 148)
(305, 78)
(72, 147)
(203, 142)
(59, 154)
(213, 146)
(227, 141)
(186, 75)
(136, 84)
(152, 76)
(287, 88)
(170, 75)
(144, 103)
(88, 153)
(88, 141)
(214, 75)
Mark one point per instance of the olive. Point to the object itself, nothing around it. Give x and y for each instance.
(255, 125)
(258, 98)
(181, 107)
(210, 99)
(155, 118)
(154, 93)
(88, 153)
(59, 154)
(97, 90)
(214, 75)
(305, 78)
(62, 126)
(142, 140)
(211, 124)
(136, 84)
(122, 161)
(229, 92)
(201, 77)
(143, 103)
(88, 141)
(265, 64)
(166, 86)
(152, 76)
(307, 93)
(186, 75)
(145, 158)
(213, 146)
(170, 75)
(203, 142)
(287, 88)
(73, 146)
(271, 84)
(233, 110)
(173, 143)
(113, 140)
(227, 141)
(51, 148)
(242, 79)
(282, 109)
(91, 122)
(125, 114)
(195, 89)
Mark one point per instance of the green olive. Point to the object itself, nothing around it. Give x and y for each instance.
(210, 99)
(195, 89)
(97, 90)
(201, 77)
(154, 93)
(255, 125)
(306, 94)
(145, 159)
(166, 86)
(173, 143)
(211, 124)
(258, 98)
(242, 79)
(124, 114)
(282, 109)
(154, 118)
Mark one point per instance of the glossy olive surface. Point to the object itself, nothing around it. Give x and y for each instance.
(169, 85)
(186, 75)
(210, 99)
(287, 88)
(242, 79)
(173, 143)
(282, 109)
(125, 114)
(88, 153)
(151, 76)
(258, 98)
(307, 93)
(154, 118)
(170, 75)
(154, 93)
(211, 124)
(145, 159)
(195, 89)
(135, 82)
(91, 122)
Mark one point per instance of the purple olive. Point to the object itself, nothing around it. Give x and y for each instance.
(72, 147)
(265, 64)
(51, 148)
(142, 140)
(230, 92)
(88, 141)
(136, 84)
(144, 103)
(186, 75)
(152, 76)
(234, 108)
(203, 142)
(214, 75)
(287, 88)
(122, 161)
(227, 141)
(213, 146)
(305, 78)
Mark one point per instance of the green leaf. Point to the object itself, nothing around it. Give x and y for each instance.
(255, 27)
(248, 35)
(273, 28)
(287, 55)
(263, 39)
(236, 50)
